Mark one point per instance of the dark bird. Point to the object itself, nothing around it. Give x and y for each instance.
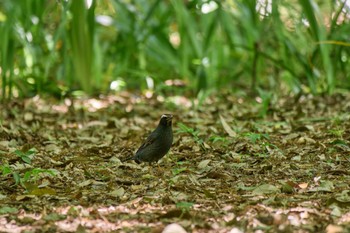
(157, 143)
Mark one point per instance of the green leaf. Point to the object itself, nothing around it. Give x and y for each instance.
(5, 169)
(344, 196)
(26, 159)
(241, 186)
(265, 189)
(16, 177)
(27, 175)
(8, 210)
(54, 217)
(339, 142)
(257, 137)
(26, 156)
(184, 205)
(19, 153)
(325, 186)
(177, 171)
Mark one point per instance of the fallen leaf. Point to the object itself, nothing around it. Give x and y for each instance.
(8, 210)
(85, 183)
(303, 185)
(265, 189)
(204, 163)
(227, 128)
(117, 192)
(325, 186)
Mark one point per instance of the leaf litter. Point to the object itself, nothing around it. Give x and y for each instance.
(229, 168)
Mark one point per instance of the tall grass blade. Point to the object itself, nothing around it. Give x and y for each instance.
(317, 26)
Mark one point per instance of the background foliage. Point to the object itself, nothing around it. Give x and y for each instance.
(57, 47)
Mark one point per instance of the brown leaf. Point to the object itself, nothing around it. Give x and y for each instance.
(227, 128)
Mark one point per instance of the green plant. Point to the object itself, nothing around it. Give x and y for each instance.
(34, 174)
(57, 47)
(30, 175)
(181, 166)
(26, 156)
(263, 140)
(178, 170)
(86, 51)
(23, 176)
(266, 98)
(201, 97)
(337, 132)
(194, 133)
(185, 207)
(5, 169)
(319, 34)
(254, 137)
(217, 138)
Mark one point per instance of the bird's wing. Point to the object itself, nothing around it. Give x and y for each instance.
(150, 140)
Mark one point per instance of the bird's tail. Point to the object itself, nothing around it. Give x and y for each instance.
(128, 158)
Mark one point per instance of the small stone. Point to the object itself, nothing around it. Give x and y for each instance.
(174, 228)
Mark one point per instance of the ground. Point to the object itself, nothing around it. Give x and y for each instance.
(237, 164)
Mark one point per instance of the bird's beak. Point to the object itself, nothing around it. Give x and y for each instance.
(169, 118)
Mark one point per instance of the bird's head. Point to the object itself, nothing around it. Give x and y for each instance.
(166, 119)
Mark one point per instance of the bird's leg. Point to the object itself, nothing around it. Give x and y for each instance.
(159, 169)
(151, 168)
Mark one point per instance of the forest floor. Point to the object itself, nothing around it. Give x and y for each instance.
(236, 165)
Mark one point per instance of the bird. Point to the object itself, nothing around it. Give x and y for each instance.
(157, 144)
